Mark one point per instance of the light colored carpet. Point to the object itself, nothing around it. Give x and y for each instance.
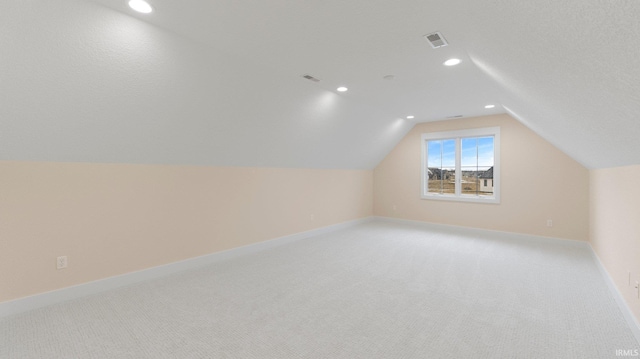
(378, 290)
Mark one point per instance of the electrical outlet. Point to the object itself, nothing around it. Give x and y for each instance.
(549, 223)
(312, 217)
(395, 208)
(61, 262)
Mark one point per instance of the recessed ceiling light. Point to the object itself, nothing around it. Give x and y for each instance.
(140, 6)
(490, 106)
(411, 117)
(452, 62)
(342, 89)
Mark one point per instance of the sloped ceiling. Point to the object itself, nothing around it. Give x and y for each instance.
(219, 82)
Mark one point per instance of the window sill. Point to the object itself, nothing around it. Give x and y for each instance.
(469, 199)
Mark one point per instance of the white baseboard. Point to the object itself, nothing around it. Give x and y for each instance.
(77, 291)
(622, 304)
(431, 225)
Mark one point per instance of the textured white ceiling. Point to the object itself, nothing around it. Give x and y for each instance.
(218, 82)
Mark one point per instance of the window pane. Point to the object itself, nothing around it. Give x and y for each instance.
(449, 154)
(469, 167)
(435, 154)
(469, 152)
(485, 175)
(477, 166)
(485, 151)
(485, 165)
(449, 166)
(434, 163)
(470, 180)
(441, 166)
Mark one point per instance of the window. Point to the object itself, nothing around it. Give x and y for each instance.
(462, 165)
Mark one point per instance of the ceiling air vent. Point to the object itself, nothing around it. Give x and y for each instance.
(436, 40)
(309, 77)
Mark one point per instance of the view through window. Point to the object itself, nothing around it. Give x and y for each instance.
(460, 166)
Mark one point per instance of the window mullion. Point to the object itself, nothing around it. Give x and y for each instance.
(458, 168)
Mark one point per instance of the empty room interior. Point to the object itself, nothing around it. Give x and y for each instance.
(319, 179)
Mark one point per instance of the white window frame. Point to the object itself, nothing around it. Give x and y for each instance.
(458, 136)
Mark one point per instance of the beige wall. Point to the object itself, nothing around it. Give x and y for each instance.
(539, 182)
(615, 227)
(111, 219)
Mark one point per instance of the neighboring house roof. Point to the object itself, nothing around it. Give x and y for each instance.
(487, 174)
